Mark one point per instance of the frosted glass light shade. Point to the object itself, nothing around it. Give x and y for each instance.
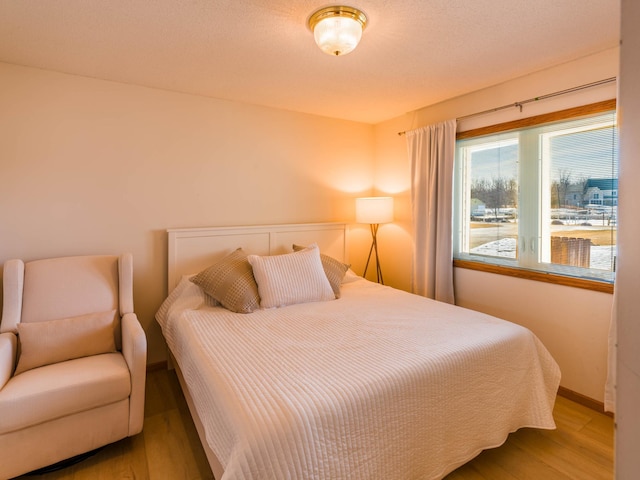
(374, 210)
(337, 30)
(337, 36)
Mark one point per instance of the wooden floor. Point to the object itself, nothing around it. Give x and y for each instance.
(581, 448)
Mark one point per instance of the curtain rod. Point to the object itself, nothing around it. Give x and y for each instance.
(535, 99)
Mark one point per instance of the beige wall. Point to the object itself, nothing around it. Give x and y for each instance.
(90, 166)
(572, 323)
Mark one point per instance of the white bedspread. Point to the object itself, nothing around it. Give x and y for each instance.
(379, 384)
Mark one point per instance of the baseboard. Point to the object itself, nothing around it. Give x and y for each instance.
(583, 400)
(154, 367)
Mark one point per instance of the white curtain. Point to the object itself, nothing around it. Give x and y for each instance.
(610, 386)
(431, 153)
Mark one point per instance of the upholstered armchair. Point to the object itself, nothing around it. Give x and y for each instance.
(72, 360)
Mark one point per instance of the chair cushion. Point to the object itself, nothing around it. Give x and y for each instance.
(61, 389)
(69, 286)
(42, 343)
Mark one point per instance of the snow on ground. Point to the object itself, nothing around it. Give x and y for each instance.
(506, 247)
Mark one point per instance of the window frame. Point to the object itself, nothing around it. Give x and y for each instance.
(599, 285)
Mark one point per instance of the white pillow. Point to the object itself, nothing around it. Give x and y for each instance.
(291, 278)
(333, 269)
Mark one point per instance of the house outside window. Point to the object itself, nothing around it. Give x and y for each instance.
(548, 194)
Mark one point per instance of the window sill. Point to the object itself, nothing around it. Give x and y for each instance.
(594, 285)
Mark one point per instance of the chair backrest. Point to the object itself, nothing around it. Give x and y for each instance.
(68, 287)
(57, 288)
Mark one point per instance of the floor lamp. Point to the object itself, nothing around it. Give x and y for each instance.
(374, 211)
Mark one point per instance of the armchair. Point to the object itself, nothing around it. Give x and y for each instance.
(72, 359)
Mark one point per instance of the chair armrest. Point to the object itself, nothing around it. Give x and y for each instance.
(8, 348)
(12, 288)
(134, 350)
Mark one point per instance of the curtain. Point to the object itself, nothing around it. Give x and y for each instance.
(431, 153)
(610, 386)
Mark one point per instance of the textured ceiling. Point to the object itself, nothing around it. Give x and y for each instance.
(413, 53)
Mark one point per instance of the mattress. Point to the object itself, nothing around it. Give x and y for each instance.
(379, 383)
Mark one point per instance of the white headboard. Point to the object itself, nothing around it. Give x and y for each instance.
(193, 249)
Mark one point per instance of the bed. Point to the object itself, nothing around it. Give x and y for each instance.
(375, 384)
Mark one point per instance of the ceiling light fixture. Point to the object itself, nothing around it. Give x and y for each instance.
(337, 29)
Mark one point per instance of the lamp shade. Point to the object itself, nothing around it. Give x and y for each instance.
(337, 30)
(374, 210)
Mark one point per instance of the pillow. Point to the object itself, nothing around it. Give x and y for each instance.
(333, 269)
(351, 277)
(53, 341)
(230, 281)
(291, 278)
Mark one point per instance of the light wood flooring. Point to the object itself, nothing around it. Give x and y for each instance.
(581, 448)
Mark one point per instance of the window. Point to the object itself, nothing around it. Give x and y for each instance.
(541, 198)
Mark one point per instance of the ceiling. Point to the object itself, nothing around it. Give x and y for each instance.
(413, 53)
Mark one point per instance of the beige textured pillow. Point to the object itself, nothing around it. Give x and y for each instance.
(230, 281)
(53, 341)
(291, 278)
(333, 269)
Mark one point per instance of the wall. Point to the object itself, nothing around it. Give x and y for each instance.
(572, 323)
(90, 166)
(628, 275)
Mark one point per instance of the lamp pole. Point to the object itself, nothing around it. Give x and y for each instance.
(374, 248)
